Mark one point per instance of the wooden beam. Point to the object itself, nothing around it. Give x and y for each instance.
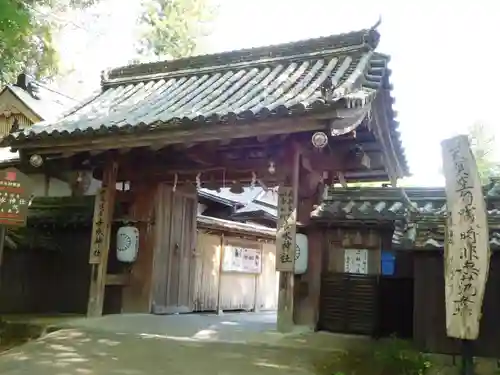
(180, 134)
(286, 243)
(101, 236)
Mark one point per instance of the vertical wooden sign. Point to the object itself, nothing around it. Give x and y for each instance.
(467, 252)
(286, 230)
(286, 243)
(101, 237)
(101, 214)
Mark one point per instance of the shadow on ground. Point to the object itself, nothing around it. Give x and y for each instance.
(74, 351)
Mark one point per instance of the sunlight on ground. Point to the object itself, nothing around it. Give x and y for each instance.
(72, 352)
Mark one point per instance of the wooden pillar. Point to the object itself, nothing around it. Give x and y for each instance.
(101, 236)
(285, 243)
(219, 278)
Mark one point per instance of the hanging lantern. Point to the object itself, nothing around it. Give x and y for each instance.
(272, 167)
(127, 244)
(301, 253)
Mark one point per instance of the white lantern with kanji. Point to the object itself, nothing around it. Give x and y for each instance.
(127, 244)
(301, 250)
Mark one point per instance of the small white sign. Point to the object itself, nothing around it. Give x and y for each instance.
(356, 261)
(240, 259)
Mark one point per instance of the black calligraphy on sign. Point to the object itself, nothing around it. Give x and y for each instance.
(468, 272)
(286, 250)
(286, 244)
(99, 226)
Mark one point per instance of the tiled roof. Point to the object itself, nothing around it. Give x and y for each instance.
(209, 222)
(47, 104)
(264, 205)
(430, 234)
(7, 156)
(388, 204)
(226, 197)
(239, 86)
(419, 227)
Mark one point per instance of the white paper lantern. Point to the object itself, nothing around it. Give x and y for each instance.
(127, 244)
(301, 254)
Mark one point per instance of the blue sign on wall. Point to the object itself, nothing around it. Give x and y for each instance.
(388, 260)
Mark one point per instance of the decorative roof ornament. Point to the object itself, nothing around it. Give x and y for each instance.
(377, 24)
(319, 140)
(36, 160)
(369, 37)
(104, 75)
(327, 89)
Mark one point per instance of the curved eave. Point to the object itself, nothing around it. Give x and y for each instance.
(300, 110)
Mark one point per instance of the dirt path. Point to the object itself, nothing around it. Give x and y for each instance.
(81, 352)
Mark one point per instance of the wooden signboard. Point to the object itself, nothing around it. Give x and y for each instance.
(467, 253)
(285, 235)
(99, 226)
(16, 190)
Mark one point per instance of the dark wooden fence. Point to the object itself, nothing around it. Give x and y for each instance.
(430, 318)
(378, 306)
(41, 281)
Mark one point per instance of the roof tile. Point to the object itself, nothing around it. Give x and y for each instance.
(419, 228)
(243, 85)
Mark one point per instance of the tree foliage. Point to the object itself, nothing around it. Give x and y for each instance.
(168, 29)
(26, 30)
(171, 28)
(482, 141)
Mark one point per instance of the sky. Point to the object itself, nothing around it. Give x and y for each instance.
(443, 56)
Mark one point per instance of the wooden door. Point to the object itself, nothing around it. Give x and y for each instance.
(174, 261)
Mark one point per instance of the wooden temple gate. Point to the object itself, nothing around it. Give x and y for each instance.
(238, 118)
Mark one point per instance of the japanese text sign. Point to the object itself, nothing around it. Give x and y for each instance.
(99, 226)
(16, 190)
(467, 253)
(286, 230)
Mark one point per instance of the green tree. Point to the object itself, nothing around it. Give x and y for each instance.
(26, 29)
(171, 28)
(482, 141)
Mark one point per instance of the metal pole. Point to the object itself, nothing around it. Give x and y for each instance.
(467, 357)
